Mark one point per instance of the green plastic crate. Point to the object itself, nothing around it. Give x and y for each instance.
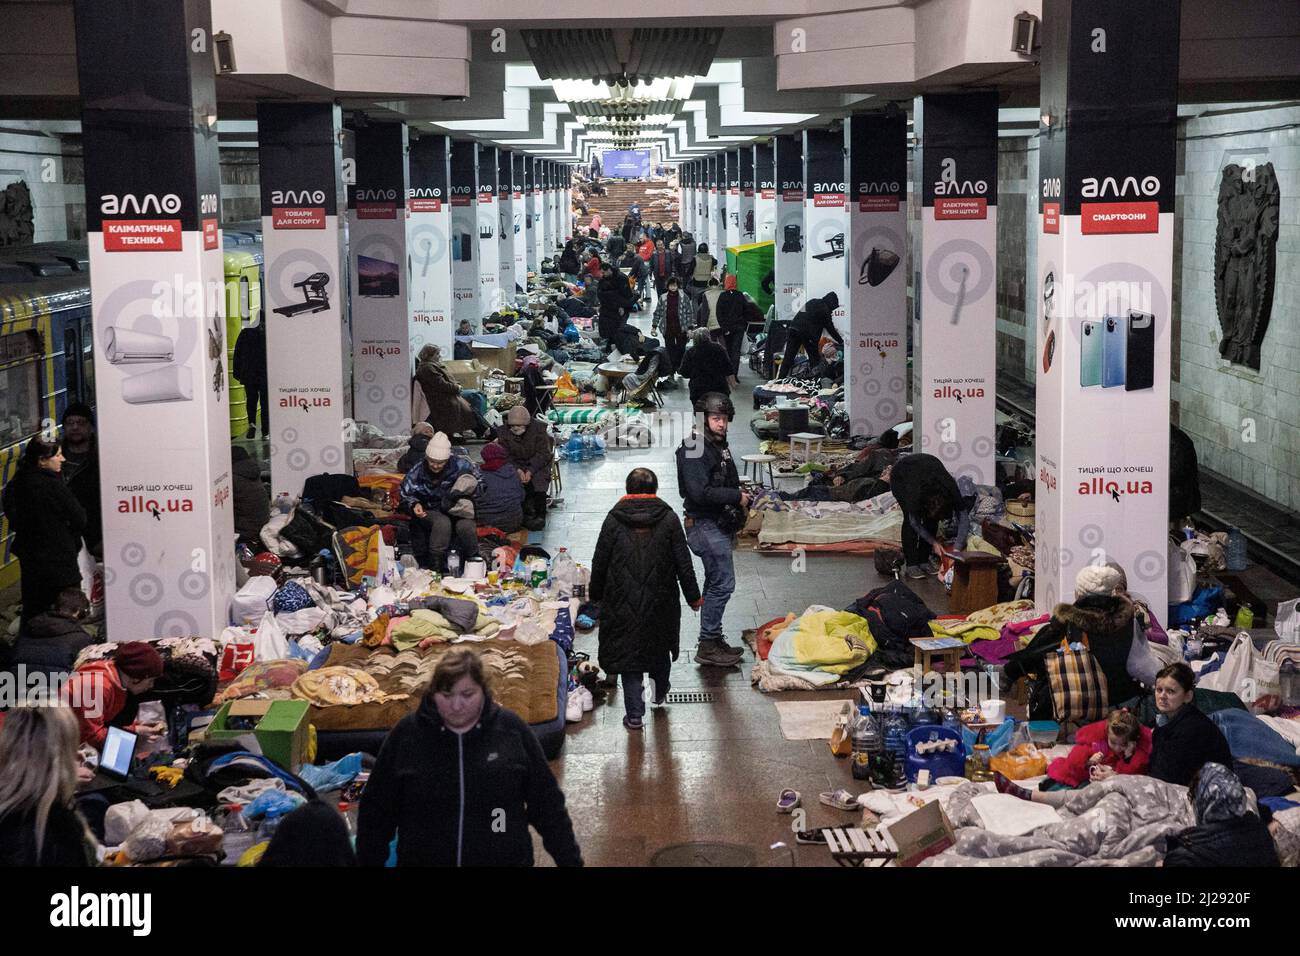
(281, 732)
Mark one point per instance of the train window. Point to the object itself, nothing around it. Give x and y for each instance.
(87, 363)
(20, 392)
(245, 304)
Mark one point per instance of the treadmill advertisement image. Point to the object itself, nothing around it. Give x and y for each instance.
(1104, 304)
(302, 241)
(826, 220)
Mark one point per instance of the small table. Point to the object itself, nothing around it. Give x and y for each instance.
(974, 581)
(811, 442)
(614, 374)
(951, 655)
(756, 462)
(514, 384)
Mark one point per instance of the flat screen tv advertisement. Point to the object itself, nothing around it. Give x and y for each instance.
(626, 163)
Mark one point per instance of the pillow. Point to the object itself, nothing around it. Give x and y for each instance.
(263, 677)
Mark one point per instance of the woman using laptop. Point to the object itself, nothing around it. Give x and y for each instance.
(99, 691)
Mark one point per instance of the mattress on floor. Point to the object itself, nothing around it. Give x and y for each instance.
(578, 414)
(831, 528)
(533, 697)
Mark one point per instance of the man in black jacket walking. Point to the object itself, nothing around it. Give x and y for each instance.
(715, 512)
(641, 559)
(616, 303)
(461, 780)
(806, 330)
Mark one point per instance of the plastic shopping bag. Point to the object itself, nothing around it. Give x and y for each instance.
(1022, 759)
(1245, 672)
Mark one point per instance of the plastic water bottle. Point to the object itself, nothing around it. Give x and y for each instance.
(867, 737)
(573, 448)
(948, 717)
(896, 731)
(453, 563)
(563, 574)
(588, 447)
(1236, 550)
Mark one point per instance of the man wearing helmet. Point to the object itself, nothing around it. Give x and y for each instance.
(715, 512)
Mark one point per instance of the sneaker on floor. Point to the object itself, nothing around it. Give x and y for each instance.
(633, 723)
(711, 653)
(916, 572)
(588, 702)
(252, 432)
(729, 648)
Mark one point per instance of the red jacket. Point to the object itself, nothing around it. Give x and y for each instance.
(593, 267)
(646, 250)
(96, 695)
(1091, 739)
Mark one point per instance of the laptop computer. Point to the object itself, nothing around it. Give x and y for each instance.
(117, 753)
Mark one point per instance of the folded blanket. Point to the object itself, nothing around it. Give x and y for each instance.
(782, 527)
(1254, 739)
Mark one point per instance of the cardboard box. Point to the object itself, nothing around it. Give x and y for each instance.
(281, 729)
(467, 373)
(921, 834)
(492, 356)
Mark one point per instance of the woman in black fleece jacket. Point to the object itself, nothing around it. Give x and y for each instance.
(1185, 739)
(460, 781)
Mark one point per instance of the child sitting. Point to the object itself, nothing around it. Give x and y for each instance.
(1117, 745)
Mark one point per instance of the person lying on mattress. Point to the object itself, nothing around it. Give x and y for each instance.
(856, 481)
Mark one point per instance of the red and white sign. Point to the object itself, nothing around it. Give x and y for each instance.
(427, 205)
(1052, 218)
(878, 203)
(142, 235)
(771, 194)
(1119, 218)
(947, 207)
(376, 210)
(297, 217)
(211, 238)
(791, 195)
(828, 200)
(461, 201)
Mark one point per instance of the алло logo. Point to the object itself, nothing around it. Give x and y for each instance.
(111, 205)
(949, 185)
(1092, 189)
(297, 197)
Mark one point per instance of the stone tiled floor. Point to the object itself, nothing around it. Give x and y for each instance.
(707, 771)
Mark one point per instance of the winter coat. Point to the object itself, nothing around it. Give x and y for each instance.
(251, 500)
(708, 367)
(703, 267)
(449, 413)
(96, 695)
(640, 562)
(616, 246)
(436, 492)
(568, 262)
(1185, 744)
(1244, 841)
(685, 315)
(646, 249)
(463, 799)
(813, 321)
(616, 298)
(414, 454)
(1184, 476)
(1106, 620)
(248, 364)
(916, 478)
(49, 642)
(706, 477)
(895, 615)
(731, 311)
(662, 265)
(500, 501)
(1072, 769)
(66, 842)
(82, 479)
(532, 451)
(47, 523)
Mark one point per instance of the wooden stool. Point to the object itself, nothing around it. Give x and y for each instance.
(950, 656)
(974, 581)
(812, 445)
(757, 462)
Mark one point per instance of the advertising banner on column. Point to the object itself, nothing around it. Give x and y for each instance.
(381, 337)
(547, 224)
(489, 225)
(533, 221)
(732, 160)
(789, 226)
(568, 203)
(428, 232)
(302, 244)
(765, 194)
(955, 382)
(506, 221)
(692, 210)
(519, 221)
(464, 234)
(721, 214)
(748, 226)
(826, 220)
(876, 366)
(158, 310)
(1106, 245)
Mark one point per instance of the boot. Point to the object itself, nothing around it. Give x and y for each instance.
(885, 772)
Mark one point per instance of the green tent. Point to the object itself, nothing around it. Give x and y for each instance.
(749, 264)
